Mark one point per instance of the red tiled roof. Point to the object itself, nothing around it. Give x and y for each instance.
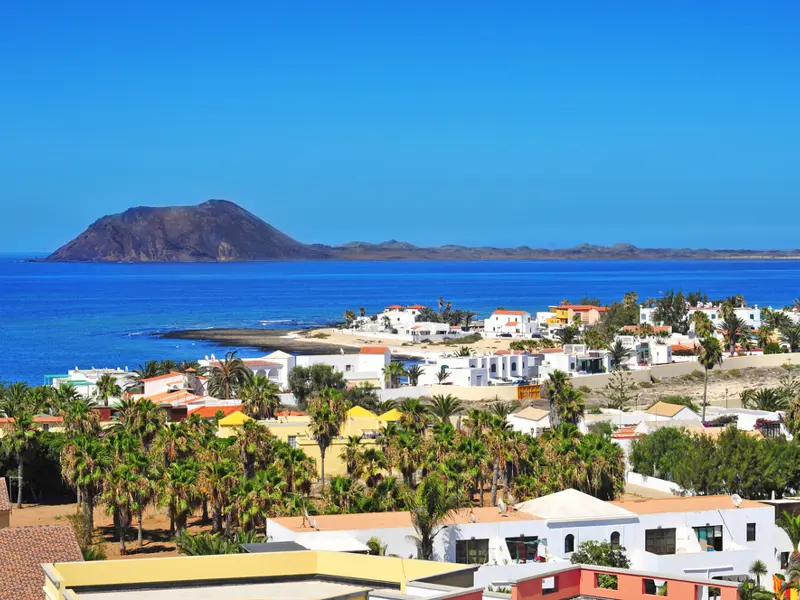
(417, 327)
(549, 350)
(375, 349)
(167, 376)
(179, 396)
(5, 501)
(415, 307)
(291, 413)
(394, 307)
(259, 362)
(209, 412)
(624, 433)
(22, 552)
(502, 311)
(502, 352)
(511, 324)
(677, 347)
(585, 307)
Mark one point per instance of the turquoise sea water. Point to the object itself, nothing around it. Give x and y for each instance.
(57, 316)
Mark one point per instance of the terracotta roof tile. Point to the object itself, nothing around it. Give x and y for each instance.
(22, 552)
(649, 506)
(416, 307)
(5, 501)
(503, 311)
(390, 520)
(512, 324)
(374, 349)
(209, 412)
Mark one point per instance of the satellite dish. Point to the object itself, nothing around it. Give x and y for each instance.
(737, 500)
(501, 506)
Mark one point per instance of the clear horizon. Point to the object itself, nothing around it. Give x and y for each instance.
(670, 125)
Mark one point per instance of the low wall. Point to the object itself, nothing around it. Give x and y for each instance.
(684, 368)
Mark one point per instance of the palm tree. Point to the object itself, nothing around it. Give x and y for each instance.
(566, 403)
(257, 498)
(757, 569)
(463, 351)
(791, 525)
(21, 443)
(768, 399)
(350, 455)
(180, 492)
(349, 317)
(296, 466)
(414, 372)
(568, 335)
(703, 327)
(415, 413)
(260, 397)
(791, 337)
(734, 329)
(80, 419)
(619, 354)
(152, 368)
(393, 372)
(709, 356)
(218, 476)
(327, 413)
(84, 464)
(765, 336)
(364, 395)
(373, 462)
(430, 505)
(227, 376)
(344, 494)
(107, 387)
(362, 312)
(442, 375)
(444, 406)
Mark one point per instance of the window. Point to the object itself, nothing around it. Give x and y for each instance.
(659, 541)
(569, 543)
(494, 368)
(711, 536)
(784, 560)
(472, 552)
(615, 539)
(513, 366)
(522, 549)
(751, 532)
(348, 368)
(292, 441)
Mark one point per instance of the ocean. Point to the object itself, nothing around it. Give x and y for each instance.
(57, 316)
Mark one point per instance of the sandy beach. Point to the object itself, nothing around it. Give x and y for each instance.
(323, 341)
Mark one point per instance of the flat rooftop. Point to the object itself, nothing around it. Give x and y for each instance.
(391, 520)
(650, 506)
(285, 590)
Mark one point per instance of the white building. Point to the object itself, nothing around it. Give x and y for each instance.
(646, 352)
(530, 420)
(704, 536)
(365, 367)
(573, 359)
(85, 380)
(500, 367)
(510, 323)
(750, 315)
(397, 315)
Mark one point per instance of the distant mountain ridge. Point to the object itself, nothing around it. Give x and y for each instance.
(220, 230)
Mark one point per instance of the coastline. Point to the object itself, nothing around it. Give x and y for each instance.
(330, 341)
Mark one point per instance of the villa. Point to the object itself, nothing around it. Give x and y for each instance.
(85, 380)
(709, 536)
(510, 323)
(502, 366)
(565, 314)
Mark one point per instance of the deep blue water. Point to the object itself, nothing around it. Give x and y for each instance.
(56, 316)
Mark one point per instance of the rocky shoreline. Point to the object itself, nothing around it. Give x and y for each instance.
(266, 340)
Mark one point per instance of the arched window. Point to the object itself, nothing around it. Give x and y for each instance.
(615, 539)
(513, 366)
(569, 543)
(494, 368)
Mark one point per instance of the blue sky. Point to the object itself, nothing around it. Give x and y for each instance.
(539, 123)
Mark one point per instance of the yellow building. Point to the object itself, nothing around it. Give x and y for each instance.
(276, 575)
(294, 430)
